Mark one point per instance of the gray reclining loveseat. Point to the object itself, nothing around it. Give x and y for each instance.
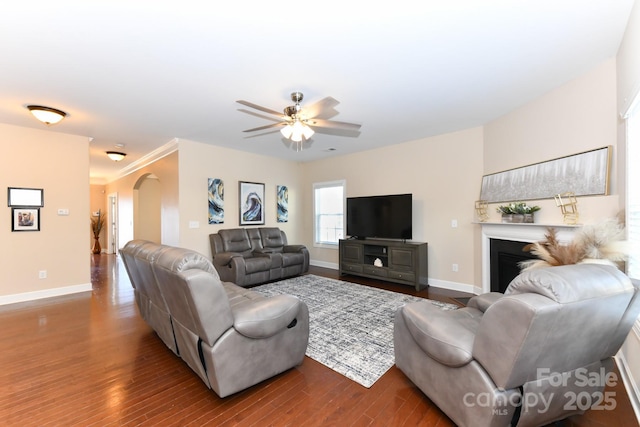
(231, 337)
(537, 354)
(249, 256)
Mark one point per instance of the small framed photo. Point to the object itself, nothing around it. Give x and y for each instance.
(31, 197)
(25, 219)
(251, 203)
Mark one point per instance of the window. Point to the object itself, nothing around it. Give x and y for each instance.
(633, 190)
(328, 209)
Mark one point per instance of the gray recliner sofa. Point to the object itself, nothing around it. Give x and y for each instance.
(250, 256)
(231, 337)
(529, 357)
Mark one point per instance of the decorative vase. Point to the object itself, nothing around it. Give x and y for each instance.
(96, 246)
(528, 218)
(507, 218)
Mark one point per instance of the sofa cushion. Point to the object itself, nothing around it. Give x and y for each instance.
(446, 336)
(272, 238)
(235, 240)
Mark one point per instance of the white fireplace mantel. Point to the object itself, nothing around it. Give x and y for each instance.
(519, 232)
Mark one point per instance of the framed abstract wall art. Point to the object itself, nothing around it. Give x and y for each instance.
(251, 198)
(584, 174)
(282, 208)
(216, 201)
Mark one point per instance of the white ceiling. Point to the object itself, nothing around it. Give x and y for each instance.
(141, 73)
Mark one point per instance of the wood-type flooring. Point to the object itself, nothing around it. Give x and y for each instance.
(90, 360)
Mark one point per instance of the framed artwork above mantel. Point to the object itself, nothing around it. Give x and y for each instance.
(584, 174)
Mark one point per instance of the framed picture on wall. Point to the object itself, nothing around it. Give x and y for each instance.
(31, 197)
(282, 196)
(251, 203)
(25, 219)
(216, 201)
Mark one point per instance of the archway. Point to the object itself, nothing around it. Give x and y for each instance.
(147, 208)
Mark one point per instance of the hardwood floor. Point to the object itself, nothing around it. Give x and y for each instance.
(90, 360)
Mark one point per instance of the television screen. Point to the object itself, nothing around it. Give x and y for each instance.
(384, 217)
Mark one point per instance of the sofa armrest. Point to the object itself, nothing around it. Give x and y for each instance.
(484, 301)
(294, 248)
(266, 317)
(224, 258)
(446, 336)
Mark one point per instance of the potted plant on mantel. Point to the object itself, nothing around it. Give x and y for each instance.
(517, 212)
(97, 223)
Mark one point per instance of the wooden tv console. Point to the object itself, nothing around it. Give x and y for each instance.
(402, 262)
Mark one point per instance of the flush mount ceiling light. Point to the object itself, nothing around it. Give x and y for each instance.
(47, 115)
(116, 156)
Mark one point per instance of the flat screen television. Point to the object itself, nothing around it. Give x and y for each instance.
(383, 217)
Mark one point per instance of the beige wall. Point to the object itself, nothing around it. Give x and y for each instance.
(59, 164)
(199, 162)
(576, 117)
(443, 173)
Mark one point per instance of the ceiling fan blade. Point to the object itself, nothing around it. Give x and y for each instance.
(333, 124)
(262, 116)
(265, 127)
(323, 109)
(350, 133)
(258, 107)
(261, 134)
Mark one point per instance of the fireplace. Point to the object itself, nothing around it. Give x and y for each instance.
(519, 235)
(504, 260)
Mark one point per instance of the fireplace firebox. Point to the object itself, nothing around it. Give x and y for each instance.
(504, 259)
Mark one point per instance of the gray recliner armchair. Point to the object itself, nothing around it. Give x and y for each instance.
(524, 358)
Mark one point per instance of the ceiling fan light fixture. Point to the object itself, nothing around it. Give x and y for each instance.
(286, 131)
(116, 156)
(47, 115)
(298, 130)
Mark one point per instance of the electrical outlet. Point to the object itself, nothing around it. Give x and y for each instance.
(42, 274)
(454, 268)
(454, 223)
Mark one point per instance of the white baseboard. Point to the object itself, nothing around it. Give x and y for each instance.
(324, 264)
(454, 286)
(46, 293)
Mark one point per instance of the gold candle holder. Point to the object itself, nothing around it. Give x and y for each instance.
(568, 205)
(481, 210)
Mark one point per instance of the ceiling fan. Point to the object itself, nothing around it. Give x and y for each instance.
(299, 123)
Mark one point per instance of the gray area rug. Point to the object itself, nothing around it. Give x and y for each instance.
(350, 325)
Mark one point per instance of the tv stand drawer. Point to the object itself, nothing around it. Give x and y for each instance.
(352, 268)
(375, 271)
(402, 275)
